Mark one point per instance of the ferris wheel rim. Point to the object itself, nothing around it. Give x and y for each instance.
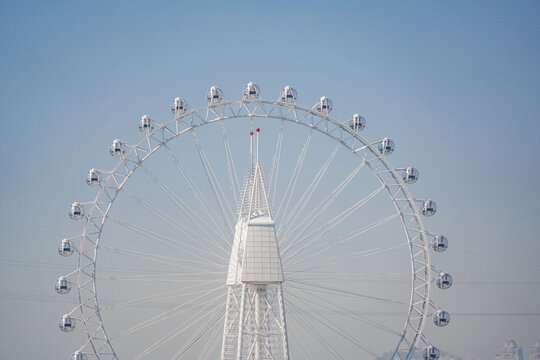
(283, 105)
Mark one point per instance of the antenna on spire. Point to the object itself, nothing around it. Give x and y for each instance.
(251, 148)
(258, 144)
(255, 198)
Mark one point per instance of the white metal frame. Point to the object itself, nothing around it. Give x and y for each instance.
(420, 306)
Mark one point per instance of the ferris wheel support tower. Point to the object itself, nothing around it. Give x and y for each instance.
(255, 324)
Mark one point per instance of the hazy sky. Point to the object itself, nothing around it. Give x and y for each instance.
(455, 84)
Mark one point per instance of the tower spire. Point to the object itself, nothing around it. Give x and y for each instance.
(255, 326)
(255, 201)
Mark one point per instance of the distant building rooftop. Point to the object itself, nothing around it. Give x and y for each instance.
(510, 351)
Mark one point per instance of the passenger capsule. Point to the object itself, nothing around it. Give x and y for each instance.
(65, 248)
(179, 106)
(386, 146)
(214, 95)
(429, 208)
(410, 176)
(93, 178)
(62, 286)
(288, 95)
(146, 125)
(251, 91)
(444, 281)
(67, 323)
(76, 211)
(117, 148)
(440, 243)
(441, 318)
(431, 353)
(324, 105)
(358, 123)
(78, 355)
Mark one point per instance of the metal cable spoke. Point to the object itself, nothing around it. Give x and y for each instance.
(183, 247)
(159, 259)
(178, 330)
(318, 250)
(316, 212)
(329, 225)
(164, 217)
(306, 196)
(187, 210)
(342, 292)
(337, 330)
(306, 324)
(201, 199)
(163, 295)
(212, 344)
(231, 169)
(291, 185)
(223, 205)
(274, 173)
(169, 313)
(200, 332)
(340, 310)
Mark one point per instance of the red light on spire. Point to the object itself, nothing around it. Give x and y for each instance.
(258, 129)
(251, 133)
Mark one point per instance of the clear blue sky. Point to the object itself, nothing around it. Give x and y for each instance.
(456, 84)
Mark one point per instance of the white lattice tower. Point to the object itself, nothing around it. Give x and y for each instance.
(255, 326)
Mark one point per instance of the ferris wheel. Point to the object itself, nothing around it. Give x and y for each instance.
(320, 252)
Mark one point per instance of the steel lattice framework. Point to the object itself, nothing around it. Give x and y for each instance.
(184, 123)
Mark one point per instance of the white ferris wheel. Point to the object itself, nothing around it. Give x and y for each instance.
(320, 251)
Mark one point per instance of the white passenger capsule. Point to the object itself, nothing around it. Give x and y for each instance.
(324, 105)
(441, 318)
(179, 106)
(386, 146)
(146, 124)
(411, 175)
(358, 123)
(76, 211)
(62, 286)
(444, 281)
(65, 248)
(67, 323)
(440, 243)
(431, 353)
(78, 355)
(251, 91)
(214, 95)
(288, 95)
(117, 148)
(93, 178)
(429, 208)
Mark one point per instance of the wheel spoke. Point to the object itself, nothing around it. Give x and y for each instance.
(188, 211)
(327, 323)
(183, 308)
(291, 185)
(231, 169)
(311, 330)
(329, 225)
(201, 199)
(221, 200)
(160, 259)
(183, 247)
(306, 196)
(316, 212)
(323, 248)
(313, 287)
(325, 305)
